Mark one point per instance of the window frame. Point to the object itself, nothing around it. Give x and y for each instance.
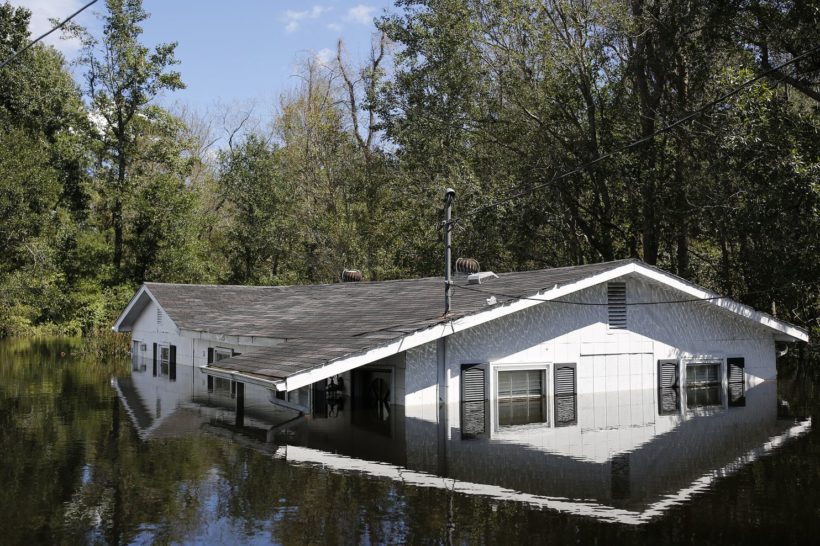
(163, 364)
(546, 394)
(721, 383)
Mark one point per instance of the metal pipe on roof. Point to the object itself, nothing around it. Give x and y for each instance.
(449, 197)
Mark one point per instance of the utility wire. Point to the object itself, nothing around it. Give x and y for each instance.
(591, 304)
(59, 26)
(638, 142)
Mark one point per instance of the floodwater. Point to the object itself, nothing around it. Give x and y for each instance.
(102, 453)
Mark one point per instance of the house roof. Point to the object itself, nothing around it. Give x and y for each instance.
(309, 327)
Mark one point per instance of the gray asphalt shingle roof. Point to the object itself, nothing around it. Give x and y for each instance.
(321, 323)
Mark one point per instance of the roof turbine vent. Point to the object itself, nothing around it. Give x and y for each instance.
(467, 266)
(351, 275)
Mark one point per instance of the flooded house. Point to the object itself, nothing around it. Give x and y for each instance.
(530, 343)
(613, 390)
(626, 458)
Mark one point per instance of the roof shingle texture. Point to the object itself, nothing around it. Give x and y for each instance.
(321, 323)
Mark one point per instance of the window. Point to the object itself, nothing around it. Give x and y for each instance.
(164, 360)
(521, 397)
(703, 384)
(222, 354)
(702, 374)
(616, 305)
(222, 385)
(135, 355)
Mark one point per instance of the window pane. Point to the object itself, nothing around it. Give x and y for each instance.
(703, 373)
(521, 411)
(521, 397)
(221, 355)
(520, 383)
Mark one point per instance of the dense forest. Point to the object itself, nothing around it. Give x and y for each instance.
(515, 104)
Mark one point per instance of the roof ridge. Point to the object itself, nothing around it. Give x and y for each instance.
(385, 281)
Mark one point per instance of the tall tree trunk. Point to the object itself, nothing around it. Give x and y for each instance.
(116, 213)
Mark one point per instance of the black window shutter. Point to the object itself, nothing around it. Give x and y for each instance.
(668, 383)
(155, 359)
(736, 379)
(210, 383)
(172, 363)
(668, 374)
(210, 355)
(566, 413)
(473, 405)
(472, 384)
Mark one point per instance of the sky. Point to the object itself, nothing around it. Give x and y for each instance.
(233, 51)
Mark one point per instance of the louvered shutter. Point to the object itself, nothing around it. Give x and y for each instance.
(668, 383)
(616, 305)
(155, 359)
(473, 404)
(172, 363)
(736, 379)
(565, 395)
(667, 374)
(210, 377)
(564, 379)
(472, 384)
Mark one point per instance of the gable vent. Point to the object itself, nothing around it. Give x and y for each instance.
(159, 316)
(616, 305)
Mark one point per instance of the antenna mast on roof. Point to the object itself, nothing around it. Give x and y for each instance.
(449, 197)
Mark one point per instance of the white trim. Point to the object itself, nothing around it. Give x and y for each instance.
(726, 303)
(547, 394)
(143, 291)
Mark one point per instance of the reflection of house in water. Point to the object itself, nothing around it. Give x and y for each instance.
(625, 456)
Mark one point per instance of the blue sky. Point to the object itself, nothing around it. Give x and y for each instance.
(234, 51)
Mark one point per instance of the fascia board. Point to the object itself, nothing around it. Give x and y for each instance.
(745, 311)
(131, 303)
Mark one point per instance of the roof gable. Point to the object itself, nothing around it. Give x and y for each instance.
(136, 306)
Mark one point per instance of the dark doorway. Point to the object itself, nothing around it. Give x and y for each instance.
(372, 393)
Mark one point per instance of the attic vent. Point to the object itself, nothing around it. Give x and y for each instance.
(616, 305)
(159, 316)
(351, 275)
(467, 266)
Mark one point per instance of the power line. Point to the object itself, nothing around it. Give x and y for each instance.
(59, 26)
(635, 303)
(640, 141)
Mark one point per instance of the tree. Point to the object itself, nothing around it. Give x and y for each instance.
(263, 227)
(122, 78)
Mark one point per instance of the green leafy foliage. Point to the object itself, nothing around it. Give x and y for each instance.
(102, 189)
